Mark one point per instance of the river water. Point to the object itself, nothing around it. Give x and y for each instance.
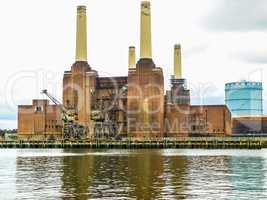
(133, 174)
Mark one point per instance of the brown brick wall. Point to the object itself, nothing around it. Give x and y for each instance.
(216, 118)
(39, 119)
(78, 85)
(25, 120)
(183, 120)
(68, 100)
(249, 125)
(176, 120)
(145, 89)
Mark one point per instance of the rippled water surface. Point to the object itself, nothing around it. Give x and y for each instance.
(133, 174)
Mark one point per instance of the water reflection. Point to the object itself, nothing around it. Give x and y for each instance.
(77, 175)
(176, 174)
(7, 176)
(208, 177)
(145, 175)
(37, 177)
(247, 176)
(138, 174)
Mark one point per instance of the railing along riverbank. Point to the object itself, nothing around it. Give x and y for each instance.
(166, 143)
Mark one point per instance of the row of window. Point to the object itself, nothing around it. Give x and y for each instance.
(52, 124)
(244, 83)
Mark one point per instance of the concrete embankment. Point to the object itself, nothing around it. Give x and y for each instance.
(181, 143)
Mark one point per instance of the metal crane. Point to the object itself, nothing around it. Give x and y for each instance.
(72, 130)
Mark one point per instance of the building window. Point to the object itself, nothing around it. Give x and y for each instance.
(39, 109)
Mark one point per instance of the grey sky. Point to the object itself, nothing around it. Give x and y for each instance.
(238, 15)
(222, 41)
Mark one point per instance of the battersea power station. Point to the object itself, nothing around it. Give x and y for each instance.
(135, 106)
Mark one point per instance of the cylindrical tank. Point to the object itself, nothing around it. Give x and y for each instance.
(244, 98)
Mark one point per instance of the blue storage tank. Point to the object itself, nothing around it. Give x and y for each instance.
(244, 98)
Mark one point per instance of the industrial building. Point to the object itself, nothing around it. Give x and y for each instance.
(129, 106)
(249, 125)
(190, 121)
(39, 120)
(244, 98)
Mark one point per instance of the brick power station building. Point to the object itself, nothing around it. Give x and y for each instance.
(135, 105)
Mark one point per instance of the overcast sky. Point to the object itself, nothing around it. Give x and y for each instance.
(222, 41)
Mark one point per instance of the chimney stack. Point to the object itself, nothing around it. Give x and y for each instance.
(132, 57)
(177, 62)
(81, 35)
(145, 41)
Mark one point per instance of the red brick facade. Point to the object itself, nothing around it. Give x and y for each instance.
(145, 100)
(39, 120)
